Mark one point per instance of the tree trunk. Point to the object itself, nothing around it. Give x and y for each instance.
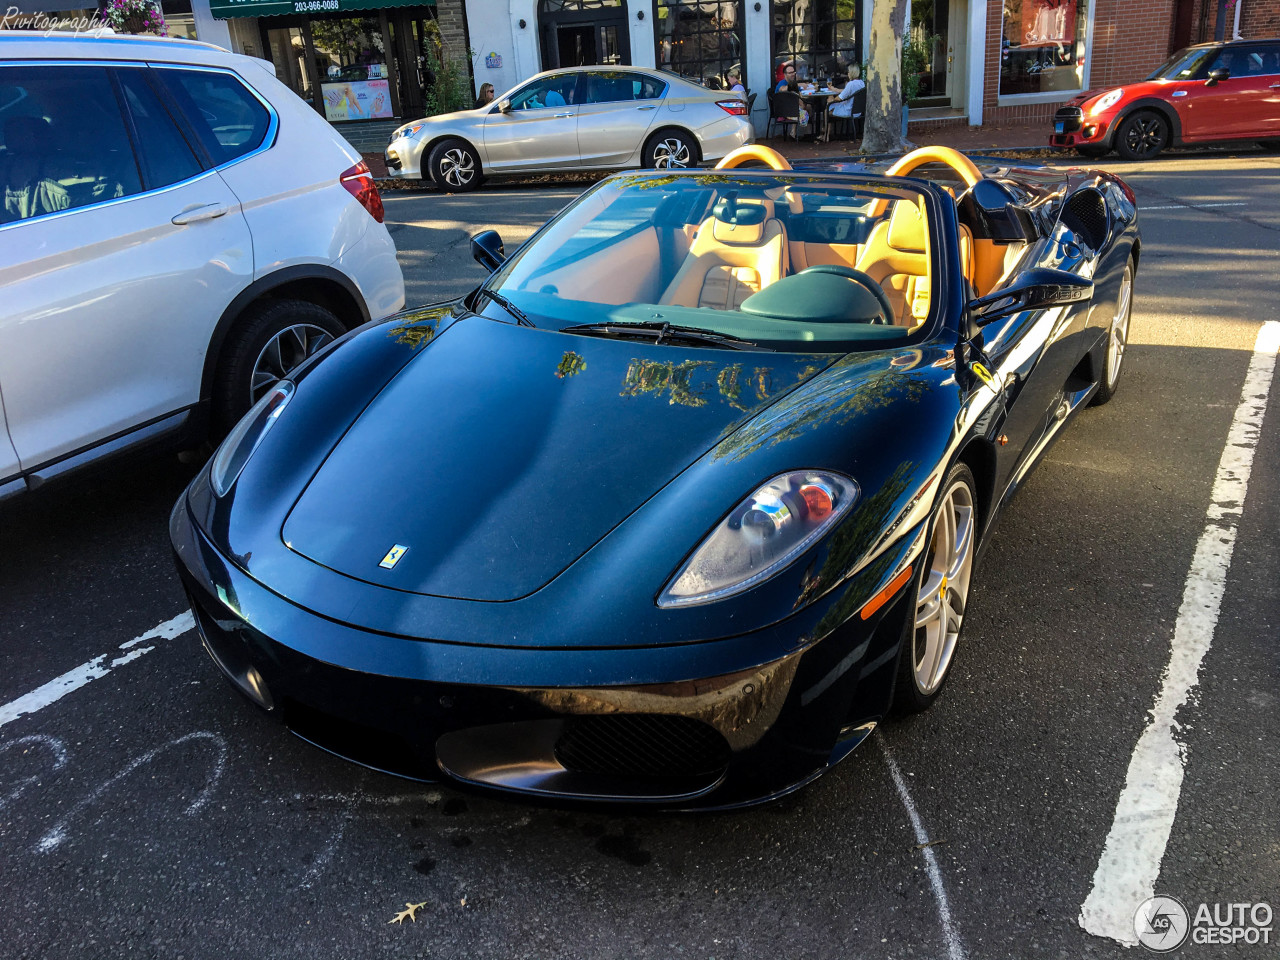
(883, 128)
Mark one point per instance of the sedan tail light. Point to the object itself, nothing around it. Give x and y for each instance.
(734, 106)
(359, 183)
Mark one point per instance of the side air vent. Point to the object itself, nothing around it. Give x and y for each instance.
(1085, 215)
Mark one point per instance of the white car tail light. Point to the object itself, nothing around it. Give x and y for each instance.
(359, 183)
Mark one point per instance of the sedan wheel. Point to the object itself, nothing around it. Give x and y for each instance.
(1117, 339)
(942, 595)
(1142, 136)
(670, 151)
(454, 166)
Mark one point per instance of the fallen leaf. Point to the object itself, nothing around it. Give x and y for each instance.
(410, 910)
(463, 901)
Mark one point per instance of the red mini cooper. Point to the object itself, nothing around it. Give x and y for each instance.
(1212, 91)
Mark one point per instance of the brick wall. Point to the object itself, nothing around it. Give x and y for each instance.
(1259, 19)
(1129, 41)
(453, 31)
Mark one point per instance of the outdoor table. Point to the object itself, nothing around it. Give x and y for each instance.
(818, 99)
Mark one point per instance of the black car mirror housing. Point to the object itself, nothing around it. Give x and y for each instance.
(1216, 76)
(1034, 289)
(488, 251)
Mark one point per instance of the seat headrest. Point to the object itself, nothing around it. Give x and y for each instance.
(26, 135)
(907, 227)
(734, 211)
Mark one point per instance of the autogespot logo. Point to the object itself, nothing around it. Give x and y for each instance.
(1161, 924)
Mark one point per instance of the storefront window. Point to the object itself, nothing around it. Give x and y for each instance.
(819, 36)
(1043, 46)
(178, 19)
(289, 53)
(701, 41)
(351, 62)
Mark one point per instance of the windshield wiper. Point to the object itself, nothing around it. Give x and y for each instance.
(664, 332)
(508, 306)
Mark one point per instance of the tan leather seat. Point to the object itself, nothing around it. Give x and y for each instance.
(739, 250)
(896, 256)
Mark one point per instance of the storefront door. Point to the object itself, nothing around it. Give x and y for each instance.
(938, 32)
(578, 33)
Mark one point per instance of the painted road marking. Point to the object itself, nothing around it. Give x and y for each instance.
(1189, 206)
(955, 949)
(1130, 864)
(95, 669)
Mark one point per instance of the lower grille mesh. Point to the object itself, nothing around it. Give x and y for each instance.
(641, 745)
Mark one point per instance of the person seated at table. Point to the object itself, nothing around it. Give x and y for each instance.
(842, 106)
(734, 76)
(790, 83)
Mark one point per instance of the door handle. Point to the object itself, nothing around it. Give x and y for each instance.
(1275, 86)
(652, 106)
(558, 115)
(210, 211)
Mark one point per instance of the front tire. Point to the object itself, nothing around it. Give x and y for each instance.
(942, 595)
(1117, 340)
(454, 165)
(1142, 136)
(272, 339)
(670, 150)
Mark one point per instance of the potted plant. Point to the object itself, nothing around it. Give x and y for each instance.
(135, 16)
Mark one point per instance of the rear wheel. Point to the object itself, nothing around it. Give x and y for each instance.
(269, 344)
(670, 150)
(942, 595)
(1117, 340)
(454, 165)
(1142, 136)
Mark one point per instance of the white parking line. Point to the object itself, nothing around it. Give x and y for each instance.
(95, 669)
(1130, 864)
(1189, 206)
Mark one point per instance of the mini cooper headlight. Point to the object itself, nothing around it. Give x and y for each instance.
(244, 438)
(761, 535)
(1106, 102)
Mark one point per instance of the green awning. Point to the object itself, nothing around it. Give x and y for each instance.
(225, 9)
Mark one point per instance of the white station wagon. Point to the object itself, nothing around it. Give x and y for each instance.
(178, 230)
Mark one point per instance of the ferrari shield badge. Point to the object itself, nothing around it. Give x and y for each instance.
(393, 556)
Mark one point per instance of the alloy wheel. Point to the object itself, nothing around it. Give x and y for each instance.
(1119, 338)
(1145, 136)
(945, 591)
(283, 353)
(671, 153)
(457, 167)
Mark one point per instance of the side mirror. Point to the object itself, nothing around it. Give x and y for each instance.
(504, 106)
(1217, 75)
(488, 251)
(1034, 289)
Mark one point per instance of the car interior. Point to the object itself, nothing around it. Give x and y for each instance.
(770, 256)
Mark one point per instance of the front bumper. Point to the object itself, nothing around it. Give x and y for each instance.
(404, 158)
(727, 736)
(1072, 128)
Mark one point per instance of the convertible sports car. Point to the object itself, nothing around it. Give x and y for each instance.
(685, 498)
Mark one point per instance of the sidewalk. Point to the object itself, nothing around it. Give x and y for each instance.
(986, 139)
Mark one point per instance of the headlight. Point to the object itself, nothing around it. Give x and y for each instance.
(1106, 102)
(236, 450)
(761, 535)
(408, 130)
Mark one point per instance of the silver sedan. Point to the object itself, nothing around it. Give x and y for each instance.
(578, 118)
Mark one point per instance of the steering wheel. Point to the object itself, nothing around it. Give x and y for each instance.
(753, 153)
(857, 276)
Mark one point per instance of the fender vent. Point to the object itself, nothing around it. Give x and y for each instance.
(1085, 215)
(641, 745)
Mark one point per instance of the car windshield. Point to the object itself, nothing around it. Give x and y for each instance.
(1184, 64)
(785, 261)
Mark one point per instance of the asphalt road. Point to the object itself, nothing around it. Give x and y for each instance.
(152, 813)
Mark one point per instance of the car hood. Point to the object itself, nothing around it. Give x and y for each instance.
(500, 454)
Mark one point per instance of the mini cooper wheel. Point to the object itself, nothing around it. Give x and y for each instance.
(270, 343)
(454, 166)
(670, 150)
(942, 595)
(1117, 340)
(1142, 136)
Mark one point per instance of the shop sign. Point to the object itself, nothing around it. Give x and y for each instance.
(493, 61)
(356, 100)
(224, 9)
